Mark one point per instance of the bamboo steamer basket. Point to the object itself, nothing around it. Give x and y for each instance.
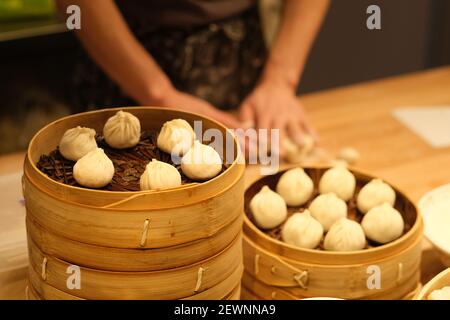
(31, 294)
(177, 283)
(438, 282)
(274, 269)
(134, 245)
(120, 259)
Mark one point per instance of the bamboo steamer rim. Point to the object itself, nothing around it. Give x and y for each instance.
(111, 207)
(204, 184)
(441, 280)
(40, 236)
(33, 294)
(407, 237)
(230, 247)
(293, 261)
(409, 289)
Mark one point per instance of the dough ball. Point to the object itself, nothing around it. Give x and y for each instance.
(302, 230)
(374, 193)
(77, 142)
(338, 180)
(123, 130)
(327, 209)
(268, 208)
(440, 294)
(383, 223)
(94, 170)
(159, 175)
(176, 137)
(296, 153)
(295, 186)
(201, 162)
(349, 155)
(345, 235)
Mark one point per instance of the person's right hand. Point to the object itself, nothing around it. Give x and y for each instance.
(180, 100)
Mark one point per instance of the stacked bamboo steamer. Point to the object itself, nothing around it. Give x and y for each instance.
(276, 270)
(182, 243)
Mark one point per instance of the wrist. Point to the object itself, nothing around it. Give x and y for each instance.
(157, 92)
(277, 74)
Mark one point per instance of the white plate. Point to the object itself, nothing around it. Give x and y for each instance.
(435, 209)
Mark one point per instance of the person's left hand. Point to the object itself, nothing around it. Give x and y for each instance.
(274, 105)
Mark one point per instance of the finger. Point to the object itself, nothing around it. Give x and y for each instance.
(227, 119)
(309, 129)
(296, 132)
(247, 115)
(280, 123)
(264, 123)
(305, 123)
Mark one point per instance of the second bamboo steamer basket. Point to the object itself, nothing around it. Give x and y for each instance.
(164, 239)
(438, 282)
(276, 270)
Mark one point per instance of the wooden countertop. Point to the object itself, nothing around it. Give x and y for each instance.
(360, 116)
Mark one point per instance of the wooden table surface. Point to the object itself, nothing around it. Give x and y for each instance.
(360, 116)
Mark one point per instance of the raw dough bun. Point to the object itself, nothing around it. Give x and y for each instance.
(374, 193)
(295, 186)
(296, 153)
(268, 208)
(94, 170)
(123, 130)
(383, 223)
(201, 162)
(338, 180)
(159, 175)
(349, 155)
(327, 209)
(77, 142)
(302, 230)
(440, 294)
(345, 235)
(176, 137)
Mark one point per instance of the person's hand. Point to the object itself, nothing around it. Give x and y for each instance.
(177, 99)
(274, 105)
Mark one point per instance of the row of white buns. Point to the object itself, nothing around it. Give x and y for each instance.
(328, 211)
(94, 169)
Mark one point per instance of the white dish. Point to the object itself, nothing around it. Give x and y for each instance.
(435, 209)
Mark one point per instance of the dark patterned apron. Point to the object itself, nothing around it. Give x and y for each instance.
(219, 62)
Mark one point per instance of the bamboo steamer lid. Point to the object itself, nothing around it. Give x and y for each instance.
(304, 273)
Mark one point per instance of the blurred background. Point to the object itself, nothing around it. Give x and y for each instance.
(38, 55)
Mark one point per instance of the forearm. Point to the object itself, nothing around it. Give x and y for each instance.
(300, 24)
(110, 43)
